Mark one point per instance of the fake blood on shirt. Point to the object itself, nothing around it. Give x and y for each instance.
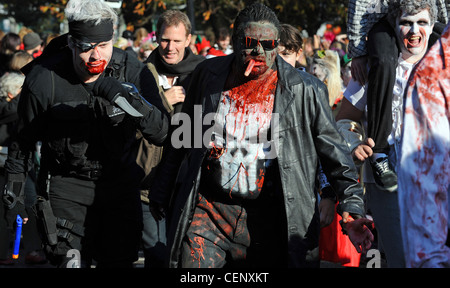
(236, 161)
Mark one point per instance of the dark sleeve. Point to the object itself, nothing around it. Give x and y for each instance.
(31, 111)
(155, 125)
(173, 157)
(335, 157)
(8, 110)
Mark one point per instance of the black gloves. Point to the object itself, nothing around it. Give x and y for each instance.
(13, 197)
(123, 95)
(109, 88)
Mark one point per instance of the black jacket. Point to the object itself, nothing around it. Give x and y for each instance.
(60, 111)
(8, 119)
(307, 133)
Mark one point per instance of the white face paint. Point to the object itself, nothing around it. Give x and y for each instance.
(319, 71)
(413, 32)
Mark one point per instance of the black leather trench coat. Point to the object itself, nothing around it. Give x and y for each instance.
(307, 133)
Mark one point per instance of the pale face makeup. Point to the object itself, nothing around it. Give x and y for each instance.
(319, 71)
(414, 31)
(263, 58)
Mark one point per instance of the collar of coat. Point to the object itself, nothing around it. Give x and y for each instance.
(287, 78)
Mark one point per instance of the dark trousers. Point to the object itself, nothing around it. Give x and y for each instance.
(383, 57)
(112, 221)
(256, 237)
(74, 212)
(5, 233)
(383, 50)
(31, 240)
(153, 239)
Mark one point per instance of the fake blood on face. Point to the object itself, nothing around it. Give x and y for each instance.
(96, 67)
(257, 92)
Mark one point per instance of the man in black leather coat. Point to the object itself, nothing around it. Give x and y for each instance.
(244, 193)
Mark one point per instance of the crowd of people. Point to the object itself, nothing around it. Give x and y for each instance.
(267, 148)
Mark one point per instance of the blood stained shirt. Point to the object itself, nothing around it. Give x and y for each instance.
(424, 167)
(237, 158)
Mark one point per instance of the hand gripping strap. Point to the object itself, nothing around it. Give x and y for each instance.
(9, 199)
(14, 190)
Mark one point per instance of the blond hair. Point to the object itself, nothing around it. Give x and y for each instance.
(329, 60)
(19, 59)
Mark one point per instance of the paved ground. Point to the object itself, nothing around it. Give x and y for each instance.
(20, 263)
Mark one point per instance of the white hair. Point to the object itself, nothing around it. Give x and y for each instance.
(11, 83)
(89, 10)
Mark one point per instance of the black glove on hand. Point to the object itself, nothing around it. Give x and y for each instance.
(13, 198)
(109, 88)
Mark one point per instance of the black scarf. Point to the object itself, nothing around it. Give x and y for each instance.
(183, 68)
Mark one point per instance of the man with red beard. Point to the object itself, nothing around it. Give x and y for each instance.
(413, 23)
(86, 120)
(243, 189)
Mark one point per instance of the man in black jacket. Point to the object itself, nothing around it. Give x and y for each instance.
(73, 102)
(171, 64)
(242, 172)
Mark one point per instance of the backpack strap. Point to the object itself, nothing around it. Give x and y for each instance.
(116, 67)
(152, 68)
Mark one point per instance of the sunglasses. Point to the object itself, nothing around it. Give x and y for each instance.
(251, 43)
(85, 46)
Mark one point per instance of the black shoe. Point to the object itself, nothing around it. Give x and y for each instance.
(384, 175)
(34, 257)
(6, 262)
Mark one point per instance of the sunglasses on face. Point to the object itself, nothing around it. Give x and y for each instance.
(251, 43)
(85, 46)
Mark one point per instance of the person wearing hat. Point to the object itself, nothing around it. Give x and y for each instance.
(129, 36)
(32, 44)
(74, 101)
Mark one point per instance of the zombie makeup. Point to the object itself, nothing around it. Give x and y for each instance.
(92, 44)
(96, 67)
(413, 32)
(96, 59)
(90, 59)
(319, 71)
(258, 48)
